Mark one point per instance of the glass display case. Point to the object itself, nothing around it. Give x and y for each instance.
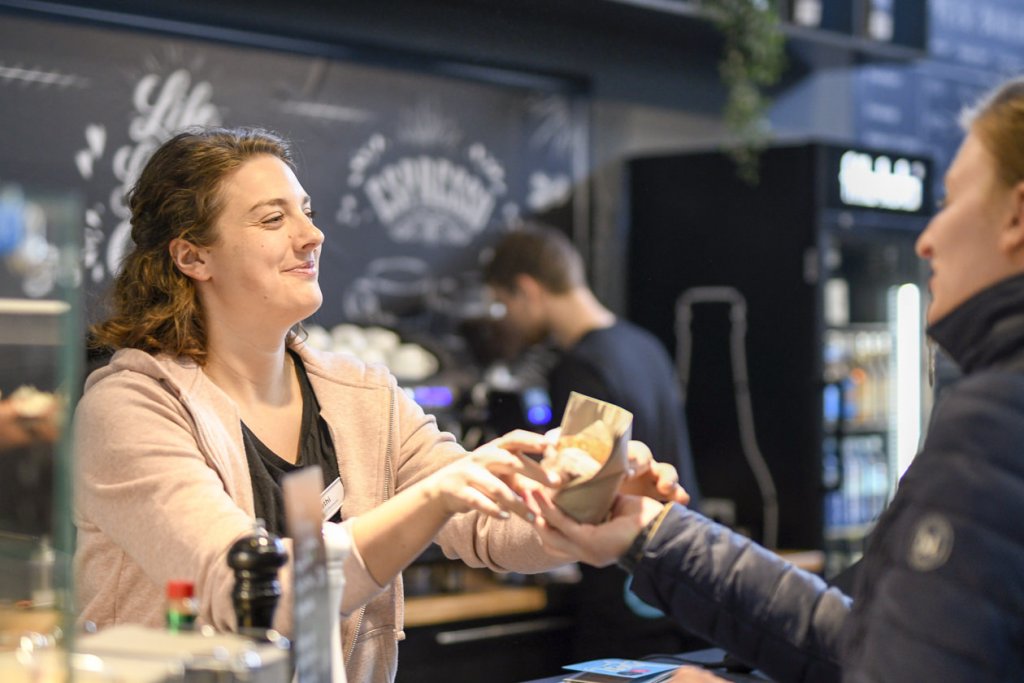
(40, 369)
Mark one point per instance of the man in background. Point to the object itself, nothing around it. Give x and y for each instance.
(538, 275)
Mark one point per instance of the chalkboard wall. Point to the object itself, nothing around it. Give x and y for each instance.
(412, 173)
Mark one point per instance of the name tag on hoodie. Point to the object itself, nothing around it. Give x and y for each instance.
(330, 501)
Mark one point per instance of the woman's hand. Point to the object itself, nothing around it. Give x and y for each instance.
(494, 479)
(595, 544)
(648, 477)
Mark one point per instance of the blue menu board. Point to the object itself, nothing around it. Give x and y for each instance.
(915, 108)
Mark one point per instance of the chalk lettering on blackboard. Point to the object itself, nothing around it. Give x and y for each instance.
(548, 191)
(366, 156)
(44, 78)
(425, 125)
(95, 145)
(555, 129)
(488, 166)
(162, 106)
(417, 185)
(326, 111)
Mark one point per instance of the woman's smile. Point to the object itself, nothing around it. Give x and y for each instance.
(305, 269)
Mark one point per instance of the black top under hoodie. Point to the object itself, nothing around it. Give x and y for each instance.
(268, 470)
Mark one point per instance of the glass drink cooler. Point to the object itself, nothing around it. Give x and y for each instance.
(821, 253)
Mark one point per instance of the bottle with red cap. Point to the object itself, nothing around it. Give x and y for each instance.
(181, 606)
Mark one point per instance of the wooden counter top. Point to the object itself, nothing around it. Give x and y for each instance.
(491, 601)
(808, 560)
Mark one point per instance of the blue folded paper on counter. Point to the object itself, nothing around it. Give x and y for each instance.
(626, 669)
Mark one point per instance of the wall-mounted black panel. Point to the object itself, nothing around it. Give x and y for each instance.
(694, 224)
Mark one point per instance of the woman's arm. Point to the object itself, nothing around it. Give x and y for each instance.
(490, 481)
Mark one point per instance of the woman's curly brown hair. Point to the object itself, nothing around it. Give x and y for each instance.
(154, 306)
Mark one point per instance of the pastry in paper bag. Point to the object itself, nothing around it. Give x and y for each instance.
(591, 457)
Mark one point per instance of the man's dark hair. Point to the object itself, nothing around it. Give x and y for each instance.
(540, 251)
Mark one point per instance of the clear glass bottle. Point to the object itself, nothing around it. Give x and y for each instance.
(181, 606)
(42, 569)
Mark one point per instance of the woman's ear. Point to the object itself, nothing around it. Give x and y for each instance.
(189, 259)
(1013, 233)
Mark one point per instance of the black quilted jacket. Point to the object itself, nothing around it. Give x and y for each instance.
(940, 594)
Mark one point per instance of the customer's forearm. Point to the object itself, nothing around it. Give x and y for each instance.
(732, 592)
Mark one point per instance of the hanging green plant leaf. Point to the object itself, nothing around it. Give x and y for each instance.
(753, 59)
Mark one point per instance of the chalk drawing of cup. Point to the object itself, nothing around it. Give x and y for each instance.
(393, 289)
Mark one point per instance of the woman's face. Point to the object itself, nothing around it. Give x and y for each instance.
(264, 263)
(962, 241)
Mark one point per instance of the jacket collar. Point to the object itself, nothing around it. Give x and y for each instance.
(985, 330)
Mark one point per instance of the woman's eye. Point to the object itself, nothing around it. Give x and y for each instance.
(310, 214)
(270, 220)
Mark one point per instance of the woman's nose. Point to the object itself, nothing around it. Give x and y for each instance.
(922, 247)
(311, 236)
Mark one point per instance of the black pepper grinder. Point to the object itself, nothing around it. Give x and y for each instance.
(256, 559)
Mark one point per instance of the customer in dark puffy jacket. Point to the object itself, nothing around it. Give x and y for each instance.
(940, 596)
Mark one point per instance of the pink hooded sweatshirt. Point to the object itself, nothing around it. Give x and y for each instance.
(162, 490)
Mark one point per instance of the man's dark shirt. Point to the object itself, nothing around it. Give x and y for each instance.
(626, 365)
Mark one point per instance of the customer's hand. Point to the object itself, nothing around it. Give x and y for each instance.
(18, 429)
(694, 674)
(595, 544)
(648, 477)
(645, 476)
(494, 478)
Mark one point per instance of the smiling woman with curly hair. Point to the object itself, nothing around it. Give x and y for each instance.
(210, 400)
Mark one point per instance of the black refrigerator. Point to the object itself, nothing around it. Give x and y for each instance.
(795, 309)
